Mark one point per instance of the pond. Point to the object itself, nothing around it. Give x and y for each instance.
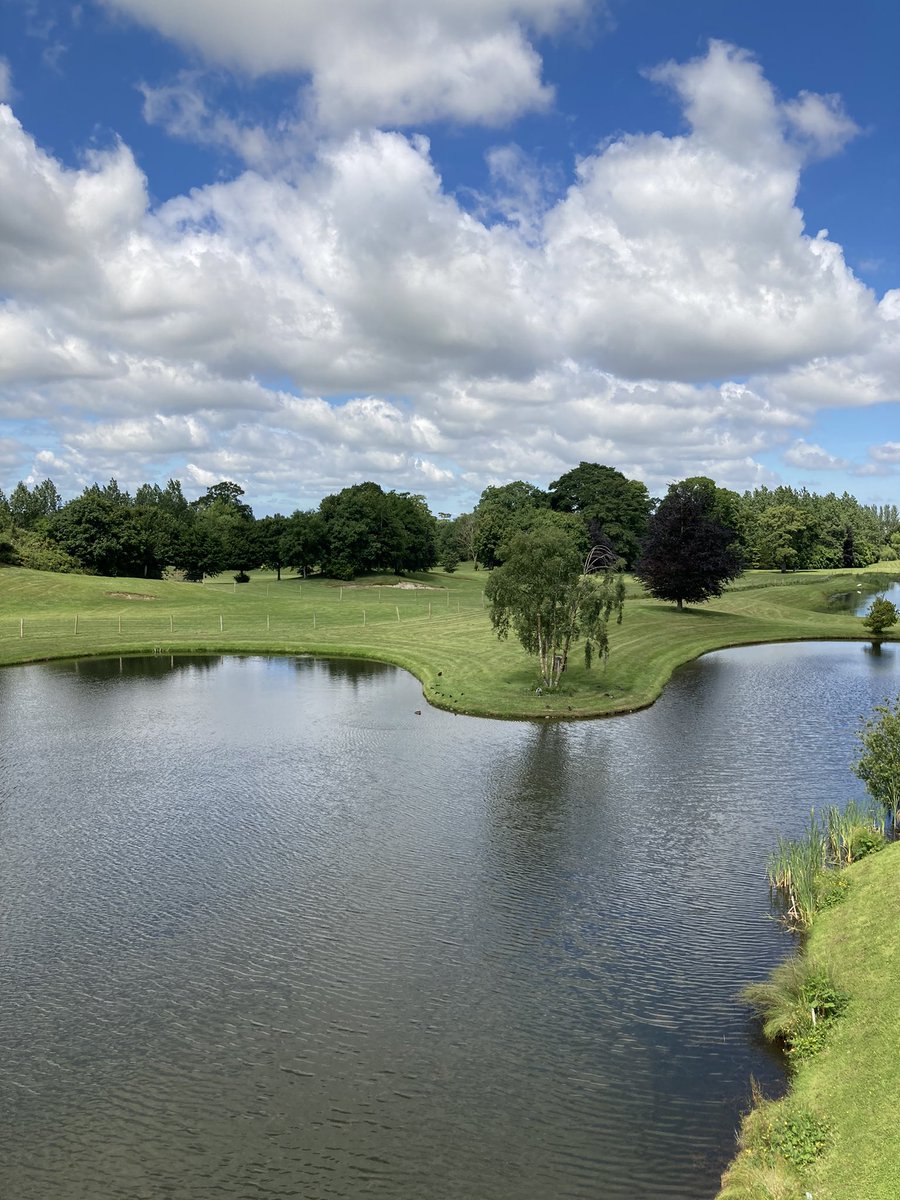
(859, 601)
(273, 927)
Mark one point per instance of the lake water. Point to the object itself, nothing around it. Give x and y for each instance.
(267, 932)
(859, 601)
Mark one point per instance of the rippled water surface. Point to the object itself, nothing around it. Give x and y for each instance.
(266, 932)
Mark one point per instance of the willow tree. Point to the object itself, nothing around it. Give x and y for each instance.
(550, 598)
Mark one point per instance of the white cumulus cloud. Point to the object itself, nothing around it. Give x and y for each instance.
(814, 457)
(378, 61)
(668, 313)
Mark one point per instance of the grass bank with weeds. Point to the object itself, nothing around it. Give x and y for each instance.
(433, 624)
(834, 1007)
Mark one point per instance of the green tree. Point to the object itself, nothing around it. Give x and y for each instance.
(361, 533)
(199, 550)
(878, 766)
(881, 616)
(612, 505)
(102, 533)
(466, 534)
(303, 541)
(795, 529)
(500, 513)
(688, 555)
(447, 544)
(28, 507)
(169, 499)
(368, 529)
(543, 593)
(416, 547)
(224, 497)
(784, 537)
(269, 533)
(231, 527)
(162, 514)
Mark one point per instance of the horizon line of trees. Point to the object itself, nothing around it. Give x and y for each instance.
(364, 528)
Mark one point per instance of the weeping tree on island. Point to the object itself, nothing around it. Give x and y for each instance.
(550, 597)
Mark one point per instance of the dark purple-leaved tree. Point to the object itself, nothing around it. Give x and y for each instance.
(690, 552)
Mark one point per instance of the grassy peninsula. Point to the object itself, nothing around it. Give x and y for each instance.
(845, 1097)
(433, 624)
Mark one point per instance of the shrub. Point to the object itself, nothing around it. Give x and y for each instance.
(39, 553)
(881, 616)
(796, 1003)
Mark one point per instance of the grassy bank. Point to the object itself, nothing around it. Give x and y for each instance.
(438, 630)
(846, 1097)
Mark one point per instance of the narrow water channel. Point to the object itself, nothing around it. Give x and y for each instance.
(265, 930)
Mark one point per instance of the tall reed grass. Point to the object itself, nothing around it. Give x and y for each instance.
(800, 869)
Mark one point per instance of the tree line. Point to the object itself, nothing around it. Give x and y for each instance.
(107, 531)
(697, 527)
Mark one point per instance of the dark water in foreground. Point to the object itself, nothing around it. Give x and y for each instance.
(264, 932)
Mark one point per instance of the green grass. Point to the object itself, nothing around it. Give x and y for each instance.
(451, 649)
(851, 1086)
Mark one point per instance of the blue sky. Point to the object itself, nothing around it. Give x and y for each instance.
(449, 244)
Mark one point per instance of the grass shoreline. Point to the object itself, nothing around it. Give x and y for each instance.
(850, 1087)
(439, 630)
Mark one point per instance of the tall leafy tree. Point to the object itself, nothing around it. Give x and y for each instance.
(500, 513)
(543, 593)
(231, 525)
(784, 538)
(224, 497)
(688, 555)
(465, 533)
(269, 533)
(102, 533)
(28, 507)
(199, 550)
(368, 529)
(614, 507)
(303, 541)
(163, 514)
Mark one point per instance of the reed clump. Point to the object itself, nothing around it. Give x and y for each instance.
(805, 873)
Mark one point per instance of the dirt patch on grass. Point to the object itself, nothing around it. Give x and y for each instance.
(129, 596)
(406, 585)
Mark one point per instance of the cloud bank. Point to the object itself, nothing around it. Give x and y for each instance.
(297, 328)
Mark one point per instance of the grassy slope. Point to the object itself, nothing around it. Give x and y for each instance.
(453, 651)
(856, 1081)
(853, 1083)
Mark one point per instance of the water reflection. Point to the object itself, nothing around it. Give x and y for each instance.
(860, 599)
(158, 667)
(881, 654)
